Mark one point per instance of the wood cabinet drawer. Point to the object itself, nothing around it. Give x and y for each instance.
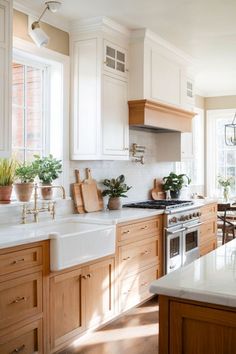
(20, 298)
(26, 340)
(19, 260)
(137, 255)
(208, 211)
(207, 230)
(139, 230)
(135, 289)
(207, 247)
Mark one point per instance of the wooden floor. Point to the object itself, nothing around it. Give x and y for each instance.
(135, 332)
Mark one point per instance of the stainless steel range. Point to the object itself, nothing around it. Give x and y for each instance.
(181, 230)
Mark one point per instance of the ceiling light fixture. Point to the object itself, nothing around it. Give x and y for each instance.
(230, 133)
(36, 33)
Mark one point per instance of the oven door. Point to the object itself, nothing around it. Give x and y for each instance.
(191, 243)
(173, 249)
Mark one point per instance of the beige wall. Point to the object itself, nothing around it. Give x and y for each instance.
(59, 40)
(222, 102)
(199, 102)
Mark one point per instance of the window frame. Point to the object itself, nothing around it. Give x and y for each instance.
(211, 153)
(59, 63)
(23, 59)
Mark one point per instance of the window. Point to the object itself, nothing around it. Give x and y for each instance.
(221, 159)
(29, 110)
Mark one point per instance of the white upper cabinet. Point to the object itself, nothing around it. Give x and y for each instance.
(99, 121)
(114, 118)
(158, 70)
(5, 76)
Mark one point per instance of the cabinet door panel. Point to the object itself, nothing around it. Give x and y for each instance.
(20, 298)
(25, 340)
(85, 118)
(99, 292)
(66, 306)
(115, 117)
(165, 79)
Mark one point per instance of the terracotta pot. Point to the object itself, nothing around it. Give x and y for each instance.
(5, 194)
(114, 203)
(23, 191)
(47, 192)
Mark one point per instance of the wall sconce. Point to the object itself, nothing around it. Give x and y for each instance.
(230, 133)
(36, 33)
(138, 152)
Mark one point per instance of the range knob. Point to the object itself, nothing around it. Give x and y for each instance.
(199, 213)
(187, 217)
(194, 215)
(173, 220)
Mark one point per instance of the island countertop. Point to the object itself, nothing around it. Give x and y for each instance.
(210, 279)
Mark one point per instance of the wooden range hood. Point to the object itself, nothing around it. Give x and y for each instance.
(160, 116)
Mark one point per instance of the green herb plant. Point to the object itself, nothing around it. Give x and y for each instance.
(225, 182)
(115, 187)
(7, 171)
(47, 168)
(26, 172)
(175, 182)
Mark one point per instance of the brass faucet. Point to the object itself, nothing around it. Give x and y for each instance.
(36, 210)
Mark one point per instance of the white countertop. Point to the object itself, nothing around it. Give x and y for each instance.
(119, 216)
(211, 278)
(14, 235)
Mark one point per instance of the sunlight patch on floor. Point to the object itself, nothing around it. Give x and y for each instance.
(118, 334)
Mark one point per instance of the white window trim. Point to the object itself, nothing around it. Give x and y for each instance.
(23, 58)
(51, 57)
(211, 115)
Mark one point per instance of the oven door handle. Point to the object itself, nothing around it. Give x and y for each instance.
(195, 225)
(176, 231)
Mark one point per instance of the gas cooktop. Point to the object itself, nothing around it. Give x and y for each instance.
(160, 204)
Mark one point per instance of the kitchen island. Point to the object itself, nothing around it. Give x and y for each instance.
(198, 305)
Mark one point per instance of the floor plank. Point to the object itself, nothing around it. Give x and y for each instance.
(135, 332)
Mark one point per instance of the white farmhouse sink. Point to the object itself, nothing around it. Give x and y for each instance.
(73, 243)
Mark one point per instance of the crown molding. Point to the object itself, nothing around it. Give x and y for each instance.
(54, 20)
(102, 23)
(145, 33)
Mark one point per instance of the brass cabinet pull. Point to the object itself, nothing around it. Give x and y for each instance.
(89, 275)
(19, 349)
(84, 276)
(19, 299)
(126, 232)
(144, 227)
(18, 261)
(126, 258)
(145, 252)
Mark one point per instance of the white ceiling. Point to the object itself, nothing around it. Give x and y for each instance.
(204, 29)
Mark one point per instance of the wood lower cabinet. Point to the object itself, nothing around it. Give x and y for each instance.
(23, 298)
(80, 299)
(191, 327)
(139, 259)
(24, 340)
(208, 229)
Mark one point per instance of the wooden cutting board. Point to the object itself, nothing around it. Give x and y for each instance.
(157, 192)
(90, 194)
(77, 195)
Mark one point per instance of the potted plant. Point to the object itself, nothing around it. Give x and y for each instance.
(174, 183)
(116, 188)
(7, 175)
(26, 173)
(48, 169)
(226, 183)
